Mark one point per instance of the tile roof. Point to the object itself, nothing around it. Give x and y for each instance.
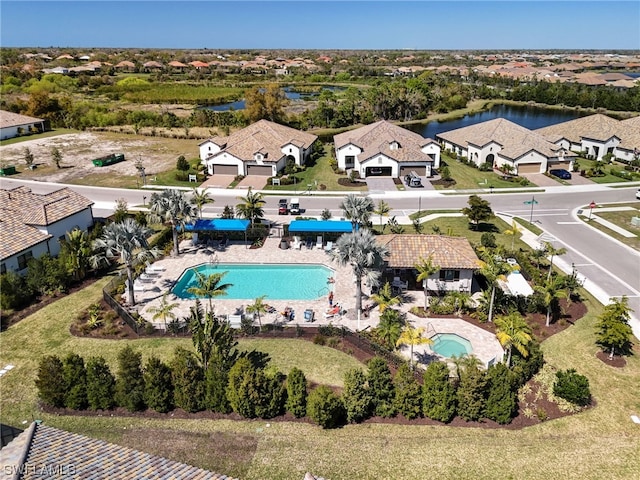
(265, 137)
(34, 209)
(597, 127)
(10, 119)
(448, 252)
(376, 138)
(15, 236)
(48, 453)
(514, 139)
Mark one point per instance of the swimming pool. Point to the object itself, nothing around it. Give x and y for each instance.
(450, 344)
(250, 281)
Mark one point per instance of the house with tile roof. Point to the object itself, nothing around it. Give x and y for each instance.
(453, 255)
(385, 149)
(263, 148)
(44, 452)
(13, 124)
(500, 142)
(32, 224)
(597, 135)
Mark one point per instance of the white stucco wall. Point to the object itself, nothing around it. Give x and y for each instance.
(208, 149)
(464, 284)
(225, 159)
(11, 263)
(347, 151)
(533, 157)
(590, 146)
(296, 152)
(433, 149)
(377, 161)
(82, 220)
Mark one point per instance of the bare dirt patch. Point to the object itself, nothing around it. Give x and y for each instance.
(617, 361)
(158, 154)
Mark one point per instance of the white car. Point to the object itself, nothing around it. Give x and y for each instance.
(638, 194)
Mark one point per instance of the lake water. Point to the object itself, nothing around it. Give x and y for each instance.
(528, 117)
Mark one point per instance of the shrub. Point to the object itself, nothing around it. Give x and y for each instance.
(488, 240)
(100, 384)
(356, 397)
(319, 339)
(188, 381)
(75, 381)
(472, 390)
(271, 393)
(130, 381)
(14, 291)
(182, 164)
(216, 381)
(158, 388)
(438, 393)
(485, 167)
(241, 388)
(502, 403)
(325, 408)
(296, 393)
(381, 386)
(572, 387)
(408, 399)
(50, 381)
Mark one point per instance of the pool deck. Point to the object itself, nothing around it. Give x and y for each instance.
(485, 345)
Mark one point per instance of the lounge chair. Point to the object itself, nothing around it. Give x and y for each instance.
(235, 321)
(328, 247)
(224, 242)
(154, 267)
(139, 287)
(145, 278)
(319, 241)
(297, 244)
(309, 243)
(333, 311)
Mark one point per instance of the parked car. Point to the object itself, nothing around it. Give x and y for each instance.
(560, 173)
(294, 206)
(412, 180)
(283, 208)
(638, 194)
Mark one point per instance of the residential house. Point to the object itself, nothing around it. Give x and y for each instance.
(13, 124)
(453, 255)
(42, 451)
(263, 148)
(32, 224)
(597, 135)
(385, 149)
(500, 143)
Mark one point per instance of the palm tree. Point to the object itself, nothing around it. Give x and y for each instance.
(127, 240)
(514, 231)
(552, 291)
(365, 255)
(425, 268)
(382, 209)
(385, 298)
(389, 327)
(512, 331)
(412, 336)
(209, 286)
(357, 209)
(493, 270)
(172, 206)
(164, 311)
(77, 251)
(551, 251)
(460, 300)
(251, 206)
(258, 307)
(199, 198)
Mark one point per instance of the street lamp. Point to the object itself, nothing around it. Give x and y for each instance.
(144, 200)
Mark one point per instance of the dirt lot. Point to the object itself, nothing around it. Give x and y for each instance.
(158, 154)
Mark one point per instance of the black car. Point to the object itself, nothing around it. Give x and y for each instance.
(283, 208)
(560, 173)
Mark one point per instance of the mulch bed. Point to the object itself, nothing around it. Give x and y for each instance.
(617, 361)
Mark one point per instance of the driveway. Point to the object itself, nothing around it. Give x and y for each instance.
(255, 182)
(380, 184)
(543, 181)
(218, 181)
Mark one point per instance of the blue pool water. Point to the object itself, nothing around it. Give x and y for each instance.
(450, 344)
(250, 281)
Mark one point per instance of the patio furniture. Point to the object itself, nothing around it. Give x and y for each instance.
(235, 321)
(297, 244)
(154, 267)
(319, 241)
(328, 247)
(308, 315)
(309, 243)
(333, 311)
(146, 278)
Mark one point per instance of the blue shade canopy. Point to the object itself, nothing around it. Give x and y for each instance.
(320, 226)
(219, 225)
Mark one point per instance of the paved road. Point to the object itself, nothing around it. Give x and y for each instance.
(605, 262)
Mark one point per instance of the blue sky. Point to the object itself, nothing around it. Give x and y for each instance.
(424, 25)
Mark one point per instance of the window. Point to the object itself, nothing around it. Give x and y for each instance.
(3, 269)
(349, 161)
(449, 275)
(24, 259)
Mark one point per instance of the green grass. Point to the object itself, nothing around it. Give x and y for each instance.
(467, 177)
(50, 133)
(529, 226)
(585, 164)
(601, 442)
(620, 218)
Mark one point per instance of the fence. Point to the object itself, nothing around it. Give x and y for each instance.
(124, 315)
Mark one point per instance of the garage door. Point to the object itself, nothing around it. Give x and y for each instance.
(422, 171)
(259, 170)
(225, 170)
(529, 168)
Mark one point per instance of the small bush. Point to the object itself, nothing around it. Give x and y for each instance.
(320, 339)
(572, 387)
(182, 164)
(488, 240)
(325, 408)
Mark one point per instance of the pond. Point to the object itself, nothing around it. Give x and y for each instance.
(289, 93)
(525, 116)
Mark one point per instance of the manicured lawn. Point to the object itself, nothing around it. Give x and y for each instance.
(529, 226)
(47, 332)
(607, 178)
(619, 218)
(467, 177)
(598, 443)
